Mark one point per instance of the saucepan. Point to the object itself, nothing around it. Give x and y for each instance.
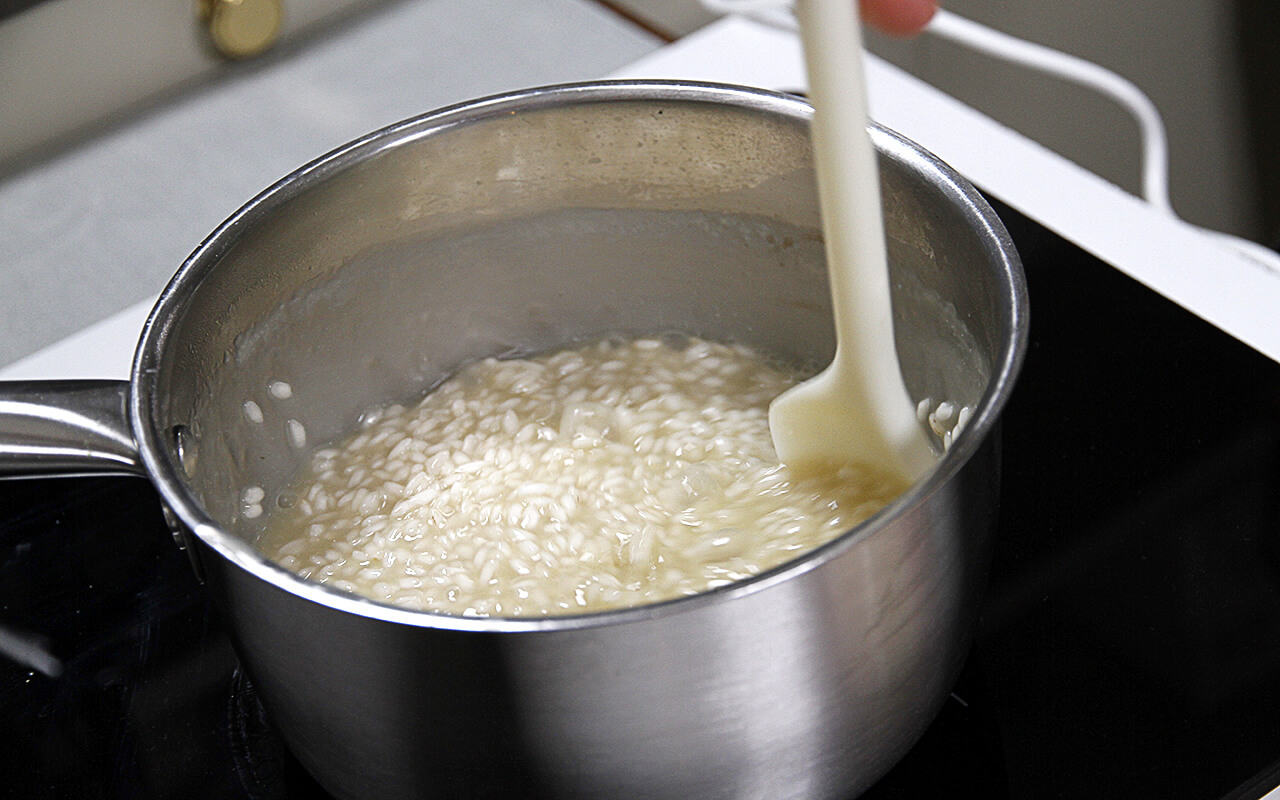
(515, 224)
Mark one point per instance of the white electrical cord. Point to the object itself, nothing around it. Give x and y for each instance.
(966, 32)
(1155, 143)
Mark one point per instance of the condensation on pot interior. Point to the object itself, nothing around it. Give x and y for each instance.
(615, 474)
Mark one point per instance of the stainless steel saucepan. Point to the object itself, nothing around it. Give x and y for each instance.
(517, 223)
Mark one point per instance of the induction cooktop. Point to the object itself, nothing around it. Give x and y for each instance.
(1129, 644)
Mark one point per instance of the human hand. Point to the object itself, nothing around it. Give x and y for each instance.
(898, 17)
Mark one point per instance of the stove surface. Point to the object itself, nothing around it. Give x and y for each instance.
(1128, 646)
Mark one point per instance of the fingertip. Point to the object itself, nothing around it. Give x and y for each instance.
(898, 17)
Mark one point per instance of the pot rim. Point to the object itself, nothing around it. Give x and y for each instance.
(157, 447)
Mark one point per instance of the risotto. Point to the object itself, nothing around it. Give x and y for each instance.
(615, 474)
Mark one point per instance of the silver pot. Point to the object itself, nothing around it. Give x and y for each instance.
(518, 223)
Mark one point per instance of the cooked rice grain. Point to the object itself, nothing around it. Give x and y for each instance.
(617, 474)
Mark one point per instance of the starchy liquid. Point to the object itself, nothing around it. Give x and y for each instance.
(615, 474)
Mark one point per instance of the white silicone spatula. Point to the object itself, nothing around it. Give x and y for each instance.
(857, 409)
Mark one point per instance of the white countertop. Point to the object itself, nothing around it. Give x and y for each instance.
(107, 223)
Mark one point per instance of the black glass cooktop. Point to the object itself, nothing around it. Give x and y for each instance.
(1129, 646)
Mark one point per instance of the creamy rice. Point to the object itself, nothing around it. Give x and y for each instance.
(616, 474)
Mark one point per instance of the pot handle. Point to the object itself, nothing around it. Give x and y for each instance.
(76, 427)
